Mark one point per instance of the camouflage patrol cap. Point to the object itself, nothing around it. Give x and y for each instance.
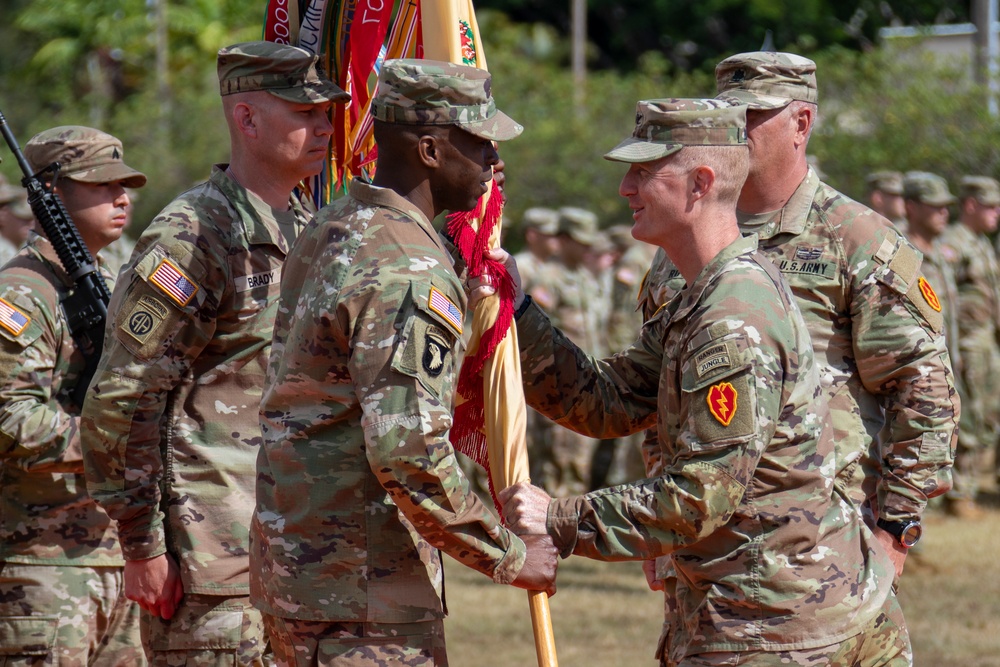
(983, 189)
(889, 182)
(287, 72)
(20, 208)
(663, 127)
(545, 220)
(766, 80)
(431, 92)
(579, 224)
(927, 188)
(85, 155)
(9, 193)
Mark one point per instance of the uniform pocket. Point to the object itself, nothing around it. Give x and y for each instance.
(27, 635)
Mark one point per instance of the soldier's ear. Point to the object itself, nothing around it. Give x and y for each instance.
(245, 118)
(429, 149)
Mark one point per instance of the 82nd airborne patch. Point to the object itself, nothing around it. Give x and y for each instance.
(722, 399)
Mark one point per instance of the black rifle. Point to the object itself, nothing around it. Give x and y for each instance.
(86, 305)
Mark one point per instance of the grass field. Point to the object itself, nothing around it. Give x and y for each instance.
(604, 615)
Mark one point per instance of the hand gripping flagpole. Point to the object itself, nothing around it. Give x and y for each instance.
(496, 399)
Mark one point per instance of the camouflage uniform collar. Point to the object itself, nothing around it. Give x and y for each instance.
(374, 195)
(45, 252)
(261, 223)
(690, 296)
(792, 218)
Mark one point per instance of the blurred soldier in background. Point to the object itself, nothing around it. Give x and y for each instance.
(16, 219)
(978, 281)
(561, 463)
(541, 252)
(885, 196)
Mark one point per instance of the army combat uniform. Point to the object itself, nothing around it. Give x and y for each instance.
(61, 599)
(746, 500)
(978, 281)
(358, 403)
(61, 568)
(171, 418)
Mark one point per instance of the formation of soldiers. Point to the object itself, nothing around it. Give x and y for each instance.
(960, 263)
(260, 472)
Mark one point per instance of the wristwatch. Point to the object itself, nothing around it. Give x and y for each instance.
(907, 533)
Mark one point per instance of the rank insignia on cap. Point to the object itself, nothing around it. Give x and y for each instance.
(930, 296)
(446, 308)
(722, 402)
(738, 75)
(173, 282)
(11, 318)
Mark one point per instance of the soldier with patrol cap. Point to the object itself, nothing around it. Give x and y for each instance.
(978, 279)
(878, 336)
(746, 502)
(361, 383)
(16, 219)
(171, 420)
(885, 196)
(61, 568)
(540, 256)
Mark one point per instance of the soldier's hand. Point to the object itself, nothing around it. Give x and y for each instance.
(525, 508)
(897, 554)
(155, 584)
(540, 565)
(649, 569)
(480, 287)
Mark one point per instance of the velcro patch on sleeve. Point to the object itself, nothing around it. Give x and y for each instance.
(145, 318)
(438, 302)
(12, 318)
(173, 282)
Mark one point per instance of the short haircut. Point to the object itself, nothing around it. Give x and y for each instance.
(731, 165)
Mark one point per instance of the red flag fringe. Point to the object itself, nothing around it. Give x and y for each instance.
(467, 431)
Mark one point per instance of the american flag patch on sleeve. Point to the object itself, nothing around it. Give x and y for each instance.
(12, 319)
(446, 308)
(173, 282)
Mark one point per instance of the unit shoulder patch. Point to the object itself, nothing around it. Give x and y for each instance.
(723, 402)
(930, 296)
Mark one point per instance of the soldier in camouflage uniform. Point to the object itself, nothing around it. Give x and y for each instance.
(541, 251)
(926, 199)
(746, 501)
(171, 425)
(561, 462)
(878, 338)
(16, 219)
(885, 196)
(360, 387)
(978, 280)
(61, 568)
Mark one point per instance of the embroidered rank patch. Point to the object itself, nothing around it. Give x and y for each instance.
(722, 399)
(11, 318)
(446, 308)
(173, 282)
(930, 296)
(146, 316)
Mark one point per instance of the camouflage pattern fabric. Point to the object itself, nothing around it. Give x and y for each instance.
(767, 79)
(62, 616)
(885, 642)
(430, 92)
(60, 563)
(878, 343)
(46, 516)
(746, 503)
(977, 277)
(285, 71)
(367, 347)
(308, 643)
(170, 423)
(84, 154)
(208, 631)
